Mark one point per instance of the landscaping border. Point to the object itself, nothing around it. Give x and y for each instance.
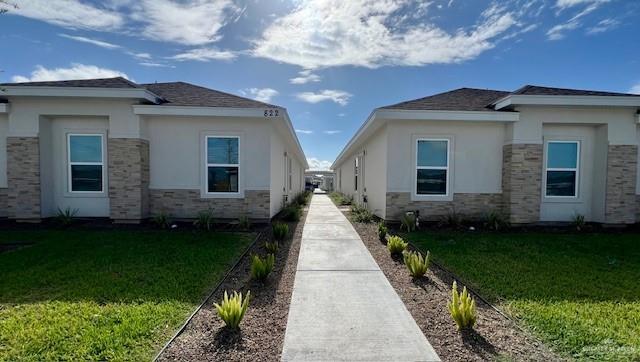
(215, 289)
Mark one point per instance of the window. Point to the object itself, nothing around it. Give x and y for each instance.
(85, 162)
(290, 173)
(562, 168)
(432, 167)
(356, 171)
(223, 164)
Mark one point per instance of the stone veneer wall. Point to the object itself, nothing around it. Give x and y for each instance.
(473, 206)
(128, 178)
(3, 202)
(620, 204)
(522, 182)
(23, 174)
(187, 204)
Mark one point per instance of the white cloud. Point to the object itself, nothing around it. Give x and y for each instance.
(261, 94)
(76, 71)
(304, 77)
(195, 22)
(70, 14)
(204, 55)
(304, 131)
(337, 96)
(318, 165)
(82, 39)
(156, 65)
(332, 132)
(603, 26)
(372, 33)
(635, 89)
(342, 114)
(557, 32)
(563, 4)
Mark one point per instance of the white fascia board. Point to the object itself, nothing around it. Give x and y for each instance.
(84, 92)
(544, 100)
(347, 148)
(153, 110)
(292, 133)
(479, 116)
(4, 107)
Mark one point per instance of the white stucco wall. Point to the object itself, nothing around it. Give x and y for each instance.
(476, 154)
(591, 175)
(375, 177)
(4, 130)
(177, 150)
(279, 172)
(54, 180)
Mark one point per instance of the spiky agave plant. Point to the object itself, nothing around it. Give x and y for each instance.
(396, 245)
(280, 231)
(416, 263)
(272, 247)
(462, 308)
(232, 309)
(382, 231)
(261, 268)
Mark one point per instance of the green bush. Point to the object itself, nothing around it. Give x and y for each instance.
(382, 232)
(232, 310)
(302, 198)
(204, 220)
(462, 308)
(496, 221)
(65, 217)
(416, 263)
(261, 268)
(272, 247)
(408, 222)
(280, 231)
(361, 214)
(578, 222)
(396, 245)
(341, 199)
(162, 220)
(244, 223)
(292, 212)
(452, 220)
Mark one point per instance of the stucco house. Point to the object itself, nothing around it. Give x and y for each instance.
(113, 148)
(535, 154)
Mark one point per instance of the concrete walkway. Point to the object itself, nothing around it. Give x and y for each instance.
(343, 308)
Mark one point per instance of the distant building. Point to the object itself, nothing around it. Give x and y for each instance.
(319, 179)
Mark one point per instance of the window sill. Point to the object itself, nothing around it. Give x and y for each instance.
(433, 198)
(88, 194)
(222, 195)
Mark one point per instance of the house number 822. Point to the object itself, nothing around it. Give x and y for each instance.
(271, 113)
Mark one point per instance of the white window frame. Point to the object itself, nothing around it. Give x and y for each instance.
(207, 165)
(437, 197)
(576, 169)
(290, 169)
(70, 163)
(356, 173)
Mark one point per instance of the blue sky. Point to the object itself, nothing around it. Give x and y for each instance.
(328, 62)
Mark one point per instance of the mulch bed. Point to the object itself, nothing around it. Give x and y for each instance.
(261, 333)
(426, 299)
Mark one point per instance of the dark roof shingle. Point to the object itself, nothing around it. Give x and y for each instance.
(117, 82)
(185, 94)
(463, 99)
(534, 90)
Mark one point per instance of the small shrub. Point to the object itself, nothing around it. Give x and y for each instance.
(291, 213)
(261, 268)
(302, 198)
(382, 231)
(416, 263)
(232, 310)
(578, 222)
(496, 221)
(204, 221)
(361, 214)
(65, 217)
(280, 231)
(452, 220)
(347, 200)
(272, 247)
(462, 308)
(244, 223)
(162, 220)
(396, 245)
(341, 199)
(408, 221)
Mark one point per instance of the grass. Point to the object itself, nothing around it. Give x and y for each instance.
(579, 292)
(105, 295)
(340, 199)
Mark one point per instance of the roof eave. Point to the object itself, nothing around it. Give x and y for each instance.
(82, 92)
(554, 100)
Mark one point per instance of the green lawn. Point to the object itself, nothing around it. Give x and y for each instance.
(105, 295)
(580, 293)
